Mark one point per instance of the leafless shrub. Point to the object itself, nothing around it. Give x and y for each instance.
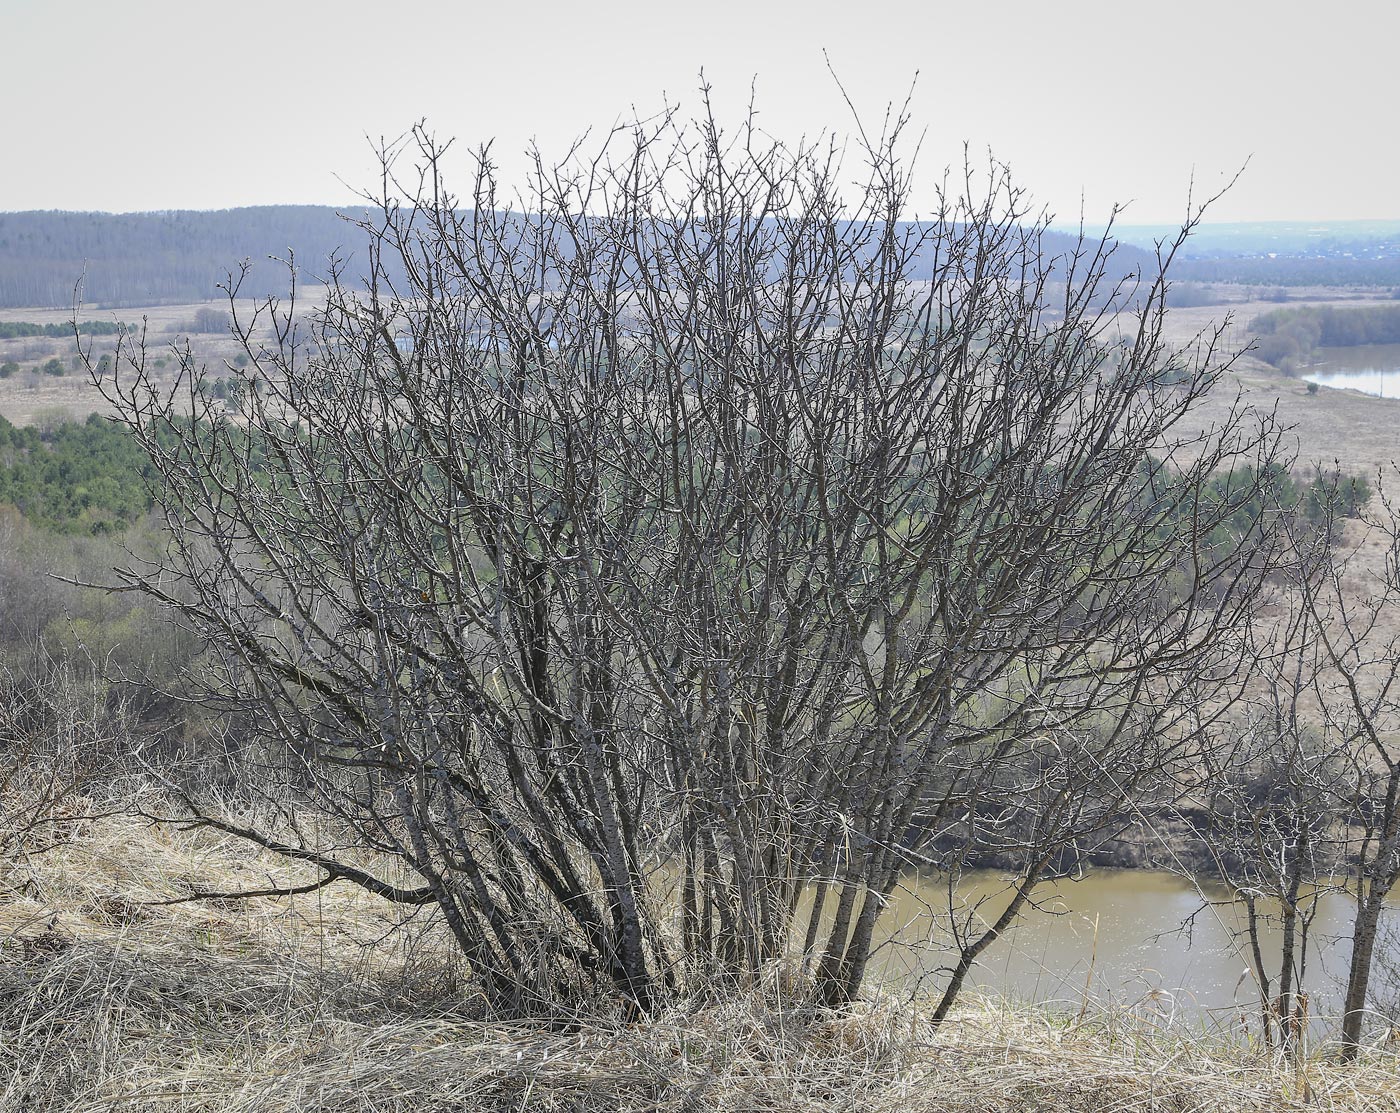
(62, 743)
(690, 520)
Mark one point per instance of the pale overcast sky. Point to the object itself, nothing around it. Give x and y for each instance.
(127, 105)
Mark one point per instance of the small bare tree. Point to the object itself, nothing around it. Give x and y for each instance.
(63, 739)
(1352, 601)
(1272, 794)
(684, 518)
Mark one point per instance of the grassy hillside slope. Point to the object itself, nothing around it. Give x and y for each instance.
(108, 1001)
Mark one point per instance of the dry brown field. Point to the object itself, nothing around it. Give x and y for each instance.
(31, 397)
(1357, 430)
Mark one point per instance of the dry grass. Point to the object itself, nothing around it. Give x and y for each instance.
(109, 1003)
(33, 398)
(1343, 427)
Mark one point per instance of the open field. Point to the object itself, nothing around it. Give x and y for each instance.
(1333, 425)
(31, 397)
(110, 1003)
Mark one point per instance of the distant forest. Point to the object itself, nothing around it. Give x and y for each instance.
(1283, 253)
(132, 259)
(1291, 270)
(1289, 338)
(164, 257)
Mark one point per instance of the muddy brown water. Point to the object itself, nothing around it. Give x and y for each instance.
(1147, 941)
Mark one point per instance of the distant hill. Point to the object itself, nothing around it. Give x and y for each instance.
(160, 257)
(182, 256)
(1276, 237)
(1284, 253)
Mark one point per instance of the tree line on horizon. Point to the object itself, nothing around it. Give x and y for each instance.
(178, 256)
(126, 259)
(173, 257)
(1289, 338)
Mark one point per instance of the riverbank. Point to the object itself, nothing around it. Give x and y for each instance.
(106, 1032)
(1168, 839)
(109, 1001)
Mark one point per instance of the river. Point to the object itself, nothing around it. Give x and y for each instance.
(1369, 368)
(1144, 940)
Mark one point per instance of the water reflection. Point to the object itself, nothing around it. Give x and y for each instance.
(1369, 368)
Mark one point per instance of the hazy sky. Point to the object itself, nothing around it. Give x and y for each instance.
(153, 104)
